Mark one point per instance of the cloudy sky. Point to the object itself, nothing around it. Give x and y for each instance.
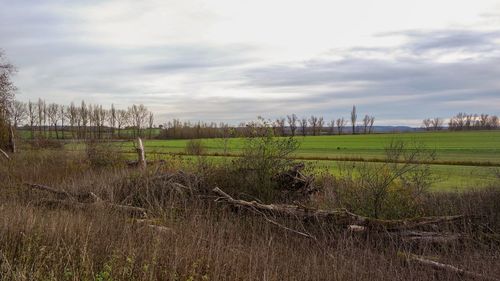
(232, 60)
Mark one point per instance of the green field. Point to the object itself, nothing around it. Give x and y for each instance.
(481, 146)
(464, 159)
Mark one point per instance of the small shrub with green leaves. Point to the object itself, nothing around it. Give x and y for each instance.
(251, 176)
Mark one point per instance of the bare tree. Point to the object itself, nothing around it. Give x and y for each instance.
(274, 126)
(18, 112)
(426, 123)
(321, 123)
(93, 120)
(354, 116)
(41, 115)
(437, 123)
(292, 123)
(103, 116)
(46, 121)
(53, 114)
(372, 120)
(73, 117)
(84, 115)
(463, 121)
(313, 121)
(62, 117)
(366, 123)
(341, 123)
(7, 90)
(139, 114)
(112, 120)
(331, 126)
(122, 119)
(32, 117)
(303, 125)
(225, 134)
(151, 123)
(281, 125)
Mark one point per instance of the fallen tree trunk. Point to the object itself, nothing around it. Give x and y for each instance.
(83, 201)
(337, 217)
(132, 211)
(445, 267)
(61, 194)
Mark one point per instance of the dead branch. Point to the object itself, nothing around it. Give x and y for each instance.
(126, 209)
(337, 217)
(295, 184)
(4, 154)
(445, 267)
(151, 224)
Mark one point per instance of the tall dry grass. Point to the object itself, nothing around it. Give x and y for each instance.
(204, 241)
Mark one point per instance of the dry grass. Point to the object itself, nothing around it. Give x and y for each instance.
(204, 241)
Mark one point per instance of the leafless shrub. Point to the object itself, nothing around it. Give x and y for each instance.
(104, 154)
(195, 147)
(389, 189)
(203, 241)
(43, 143)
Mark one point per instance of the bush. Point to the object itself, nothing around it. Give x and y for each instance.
(195, 147)
(251, 176)
(392, 189)
(46, 144)
(104, 154)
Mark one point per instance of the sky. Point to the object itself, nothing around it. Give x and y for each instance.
(233, 60)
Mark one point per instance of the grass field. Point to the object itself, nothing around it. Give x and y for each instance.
(459, 154)
(480, 146)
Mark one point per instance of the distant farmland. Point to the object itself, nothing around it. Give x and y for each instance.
(481, 147)
(464, 159)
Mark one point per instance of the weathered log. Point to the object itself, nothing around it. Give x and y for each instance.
(4, 154)
(84, 200)
(445, 267)
(337, 217)
(79, 206)
(414, 236)
(61, 194)
(428, 237)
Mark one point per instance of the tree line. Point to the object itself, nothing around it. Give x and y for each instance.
(462, 122)
(93, 121)
(82, 121)
(291, 125)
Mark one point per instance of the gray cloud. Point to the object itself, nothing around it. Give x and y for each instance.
(410, 81)
(409, 86)
(450, 40)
